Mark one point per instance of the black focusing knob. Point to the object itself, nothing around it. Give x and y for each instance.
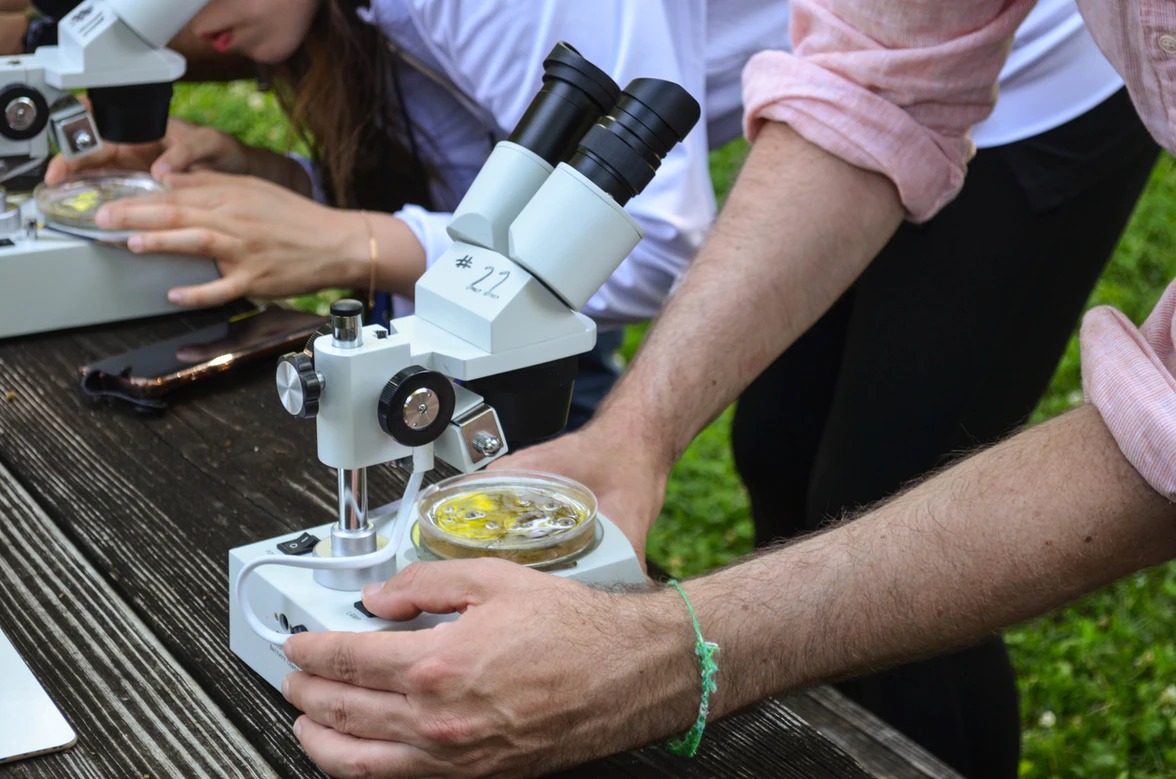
(323, 329)
(23, 112)
(416, 406)
(299, 385)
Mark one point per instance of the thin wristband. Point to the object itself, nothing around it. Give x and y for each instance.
(686, 745)
(373, 259)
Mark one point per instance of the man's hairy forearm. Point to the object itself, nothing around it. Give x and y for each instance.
(798, 228)
(1005, 535)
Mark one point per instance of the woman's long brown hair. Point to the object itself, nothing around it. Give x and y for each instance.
(341, 93)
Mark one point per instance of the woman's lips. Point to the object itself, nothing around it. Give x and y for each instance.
(221, 41)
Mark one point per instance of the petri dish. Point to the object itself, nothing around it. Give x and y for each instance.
(529, 517)
(76, 201)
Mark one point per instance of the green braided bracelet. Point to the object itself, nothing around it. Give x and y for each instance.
(686, 745)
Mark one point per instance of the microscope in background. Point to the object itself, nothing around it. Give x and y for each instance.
(489, 356)
(113, 49)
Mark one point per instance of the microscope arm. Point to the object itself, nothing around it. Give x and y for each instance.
(105, 46)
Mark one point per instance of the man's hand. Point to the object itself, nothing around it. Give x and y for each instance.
(537, 673)
(629, 484)
(266, 240)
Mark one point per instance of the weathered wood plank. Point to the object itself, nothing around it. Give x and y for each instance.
(156, 504)
(879, 748)
(767, 740)
(102, 667)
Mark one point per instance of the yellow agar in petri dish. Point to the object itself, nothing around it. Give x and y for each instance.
(531, 521)
(76, 201)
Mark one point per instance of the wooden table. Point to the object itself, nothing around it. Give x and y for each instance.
(114, 531)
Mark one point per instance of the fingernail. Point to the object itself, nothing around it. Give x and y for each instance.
(173, 295)
(298, 728)
(372, 590)
(135, 244)
(286, 687)
(102, 218)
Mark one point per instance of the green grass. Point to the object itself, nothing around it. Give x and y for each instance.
(1097, 679)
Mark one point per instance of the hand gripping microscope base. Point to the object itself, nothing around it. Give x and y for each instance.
(488, 357)
(114, 50)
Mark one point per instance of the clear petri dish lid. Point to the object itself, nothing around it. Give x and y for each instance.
(75, 201)
(529, 517)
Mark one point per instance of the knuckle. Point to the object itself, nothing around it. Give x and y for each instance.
(432, 674)
(339, 714)
(345, 662)
(448, 730)
(357, 765)
(115, 219)
(170, 216)
(205, 243)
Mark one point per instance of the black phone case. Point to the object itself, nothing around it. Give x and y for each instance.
(141, 377)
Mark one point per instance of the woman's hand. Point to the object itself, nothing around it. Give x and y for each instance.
(266, 240)
(184, 146)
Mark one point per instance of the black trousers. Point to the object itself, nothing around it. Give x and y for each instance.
(946, 342)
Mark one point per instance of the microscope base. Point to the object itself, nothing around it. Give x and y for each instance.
(54, 282)
(289, 600)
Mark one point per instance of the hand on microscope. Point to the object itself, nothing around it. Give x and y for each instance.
(266, 240)
(184, 147)
(481, 695)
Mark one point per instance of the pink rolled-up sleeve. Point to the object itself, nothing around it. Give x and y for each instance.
(1128, 375)
(891, 86)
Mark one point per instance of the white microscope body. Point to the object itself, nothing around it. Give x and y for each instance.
(532, 244)
(104, 46)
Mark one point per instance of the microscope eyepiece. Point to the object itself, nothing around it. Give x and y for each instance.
(136, 113)
(575, 94)
(622, 151)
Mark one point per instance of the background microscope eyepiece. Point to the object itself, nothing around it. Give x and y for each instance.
(575, 94)
(136, 113)
(622, 151)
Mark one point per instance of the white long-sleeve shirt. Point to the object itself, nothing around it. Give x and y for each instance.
(489, 55)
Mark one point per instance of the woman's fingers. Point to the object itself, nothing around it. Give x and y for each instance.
(199, 241)
(213, 293)
(199, 147)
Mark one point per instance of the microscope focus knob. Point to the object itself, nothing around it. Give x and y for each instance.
(486, 443)
(416, 406)
(323, 329)
(299, 385)
(24, 112)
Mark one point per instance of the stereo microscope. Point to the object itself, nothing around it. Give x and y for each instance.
(113, 49)
(489, 356)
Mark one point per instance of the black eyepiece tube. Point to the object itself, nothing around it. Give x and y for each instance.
(131, 114)
(575, 94)
(622, 151)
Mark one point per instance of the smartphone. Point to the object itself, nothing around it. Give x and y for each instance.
(155, 370)
(30, 723)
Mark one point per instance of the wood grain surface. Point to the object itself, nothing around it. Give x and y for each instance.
(114, 534)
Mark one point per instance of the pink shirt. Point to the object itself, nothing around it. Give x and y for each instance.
(893, 86)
